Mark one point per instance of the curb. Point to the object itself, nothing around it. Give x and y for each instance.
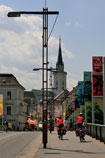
(31, 149)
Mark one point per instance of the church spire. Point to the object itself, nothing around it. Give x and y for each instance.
(60, 64)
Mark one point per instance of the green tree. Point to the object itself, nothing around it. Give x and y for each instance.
(98, 113)
(89, 113)
(68, 110)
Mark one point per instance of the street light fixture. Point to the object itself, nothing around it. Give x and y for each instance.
(36, 69)
(13, 14)
(48, 69)
(44, 68)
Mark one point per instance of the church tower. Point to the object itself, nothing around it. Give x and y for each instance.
(59, 76)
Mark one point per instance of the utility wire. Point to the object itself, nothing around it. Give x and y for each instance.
(53, 26)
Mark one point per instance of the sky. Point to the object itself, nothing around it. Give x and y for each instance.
(81, 25)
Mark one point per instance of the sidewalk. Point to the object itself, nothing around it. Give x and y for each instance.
(58, 148)
(71, 147)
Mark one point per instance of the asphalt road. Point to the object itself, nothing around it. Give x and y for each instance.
(19, 144)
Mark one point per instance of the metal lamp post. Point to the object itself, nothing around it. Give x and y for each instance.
(45, 14)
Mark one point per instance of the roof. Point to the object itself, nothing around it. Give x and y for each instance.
(60, 60)
(9, 80)
(73, 90)
(29, 94)
(62, 95)
(38, 93)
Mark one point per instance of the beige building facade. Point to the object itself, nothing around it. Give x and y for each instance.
(14, 107)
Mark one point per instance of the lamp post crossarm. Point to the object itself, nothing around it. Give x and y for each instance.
(18, 14)
(48, 69)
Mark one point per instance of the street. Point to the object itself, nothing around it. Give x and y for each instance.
(29, 145)
(19, 144)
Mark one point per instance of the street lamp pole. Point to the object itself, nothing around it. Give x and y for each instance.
(45, 75)
(45, 14)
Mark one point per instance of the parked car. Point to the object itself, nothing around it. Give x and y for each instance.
(11, 126)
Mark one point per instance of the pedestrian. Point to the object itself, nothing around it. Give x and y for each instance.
(51, 124)
(6, 123)
(71, 125)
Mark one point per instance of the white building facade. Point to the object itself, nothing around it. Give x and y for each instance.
(14, 107)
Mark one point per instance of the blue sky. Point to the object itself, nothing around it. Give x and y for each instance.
(81, 25)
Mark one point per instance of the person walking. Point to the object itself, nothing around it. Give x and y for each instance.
(6, 123)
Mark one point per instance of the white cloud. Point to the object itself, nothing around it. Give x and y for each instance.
(73, 23)
(72, 80)
(67, 53)
(27, 79)
(21, 48)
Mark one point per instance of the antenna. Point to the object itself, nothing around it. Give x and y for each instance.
(45, 3)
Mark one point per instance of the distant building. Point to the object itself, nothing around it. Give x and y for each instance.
(59, 76)
(31, 100)
(14, 107)
(60, 102)
(38, 94)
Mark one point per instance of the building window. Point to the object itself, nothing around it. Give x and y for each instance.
(62, 88)
(9, 95)
(8, 110)
(56, 88)
(56, 82)
(62, 82)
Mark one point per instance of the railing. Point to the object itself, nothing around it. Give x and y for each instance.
(96, 131)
